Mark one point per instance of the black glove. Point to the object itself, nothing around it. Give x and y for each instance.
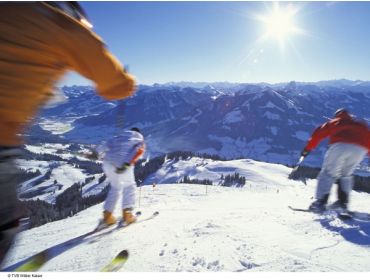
(305, 153)
(122, 168)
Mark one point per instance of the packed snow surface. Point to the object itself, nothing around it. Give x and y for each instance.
(213, 228)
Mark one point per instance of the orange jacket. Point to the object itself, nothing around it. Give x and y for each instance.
(38, 44)
(343, 129)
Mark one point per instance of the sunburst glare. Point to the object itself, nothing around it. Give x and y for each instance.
(279, 23)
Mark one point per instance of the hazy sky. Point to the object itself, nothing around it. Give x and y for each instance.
(228, 41)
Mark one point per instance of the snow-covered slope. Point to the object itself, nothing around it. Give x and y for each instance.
(59, 167)
(255, 172)
(213, 228)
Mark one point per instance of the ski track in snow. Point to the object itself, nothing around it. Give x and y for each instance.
(228, 229)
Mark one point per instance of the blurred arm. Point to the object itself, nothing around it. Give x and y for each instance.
(87, 54)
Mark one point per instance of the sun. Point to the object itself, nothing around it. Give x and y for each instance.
(280, 23)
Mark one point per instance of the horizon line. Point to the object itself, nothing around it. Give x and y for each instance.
(229, 82)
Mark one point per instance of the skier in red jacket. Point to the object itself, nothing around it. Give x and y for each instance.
(349, 141)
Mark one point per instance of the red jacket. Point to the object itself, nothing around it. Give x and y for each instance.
(342, 129)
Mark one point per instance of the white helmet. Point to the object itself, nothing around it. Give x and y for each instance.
(340, 111)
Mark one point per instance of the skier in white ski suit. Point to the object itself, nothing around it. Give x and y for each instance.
(119, 156)
(349, 144)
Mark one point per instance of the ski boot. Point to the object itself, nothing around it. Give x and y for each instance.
(127, 216)
(339, 206)
(341, 209)
(319, 205)
(107, 221)
(108, 218)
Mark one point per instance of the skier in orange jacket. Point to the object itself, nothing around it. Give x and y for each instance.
(39, 42)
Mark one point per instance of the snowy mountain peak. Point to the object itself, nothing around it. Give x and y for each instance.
(222, 118)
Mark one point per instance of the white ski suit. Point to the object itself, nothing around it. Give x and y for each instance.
(126, 148)
(340, 162)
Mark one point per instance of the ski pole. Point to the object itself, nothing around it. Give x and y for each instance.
(140, 196)
(300, 161)
(291, 175)
(120, 117)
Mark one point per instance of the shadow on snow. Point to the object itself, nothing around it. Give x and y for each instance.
(353, 230)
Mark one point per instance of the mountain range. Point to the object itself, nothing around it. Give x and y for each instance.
(260, 121)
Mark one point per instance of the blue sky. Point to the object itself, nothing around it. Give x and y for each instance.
(222, 41)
